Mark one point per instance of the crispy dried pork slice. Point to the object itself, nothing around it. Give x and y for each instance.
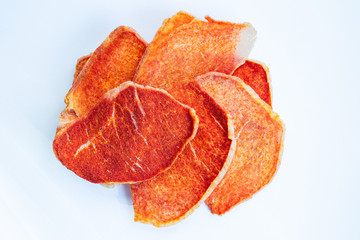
(132, 134)
(186, 47)
(172, 195)
(113, 62)
(259, 136)
(256, 75)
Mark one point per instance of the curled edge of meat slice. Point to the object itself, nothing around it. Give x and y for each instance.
(110, 96)
(257, 76)
(80, 63)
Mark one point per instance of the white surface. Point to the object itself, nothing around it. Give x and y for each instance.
(312, 50)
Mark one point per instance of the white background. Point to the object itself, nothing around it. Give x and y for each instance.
(312, 50)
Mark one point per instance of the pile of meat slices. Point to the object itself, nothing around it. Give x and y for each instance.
(183, 120)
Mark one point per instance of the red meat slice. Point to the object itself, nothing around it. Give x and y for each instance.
(259, 136)
(113, 62)
(186, 47)
(132, 134)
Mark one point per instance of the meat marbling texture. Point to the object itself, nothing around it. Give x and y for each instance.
(131, 135)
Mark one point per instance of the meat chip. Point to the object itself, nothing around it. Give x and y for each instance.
(172, 195)
(259, 136)
(132, 134)
(113, 62)
(256, 75)
(186, 47)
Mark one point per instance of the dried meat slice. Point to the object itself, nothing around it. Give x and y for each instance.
(256, 75)
(186, 47)
(132, 134)
(113, 62)
(259, 136)
(174, 194)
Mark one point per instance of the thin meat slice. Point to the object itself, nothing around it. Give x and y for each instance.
(131, 134)
(259, 136)
(256, 75)
(113, 62)
(186, 47)
(172, 195)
